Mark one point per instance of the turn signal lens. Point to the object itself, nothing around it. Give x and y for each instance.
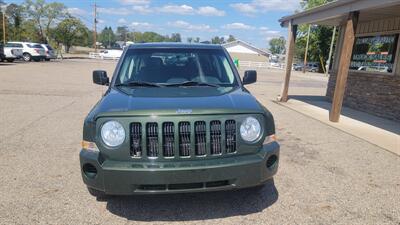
(270, 138)
(89, 146)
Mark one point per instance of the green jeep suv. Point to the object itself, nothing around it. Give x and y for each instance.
(176, 118)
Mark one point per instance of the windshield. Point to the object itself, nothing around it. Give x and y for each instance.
(176, 66)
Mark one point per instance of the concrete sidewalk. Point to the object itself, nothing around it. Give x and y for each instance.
(381, 132)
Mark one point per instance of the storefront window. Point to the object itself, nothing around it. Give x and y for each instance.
(374, 53)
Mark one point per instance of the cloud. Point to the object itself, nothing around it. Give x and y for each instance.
(134, 2)
(190, 27)
(142, 9)
(245, 8)
(177, 9)
(115, 11)
(210, 11)
(141, 25)
(77, 12)
(189, 10)
(122, 21)
(238, 26)
(257, 6)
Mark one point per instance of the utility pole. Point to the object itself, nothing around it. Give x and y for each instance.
(95, 27)
(3, 11)
(328, 64)
(306, 52)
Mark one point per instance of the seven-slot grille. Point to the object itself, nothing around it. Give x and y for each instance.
(178, 139)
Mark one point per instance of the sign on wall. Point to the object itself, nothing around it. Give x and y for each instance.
(374, 53)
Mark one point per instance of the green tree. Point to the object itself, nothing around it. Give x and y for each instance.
(277, 45)
(122, 33)
(107, 37)
(175, 37)
(217, 40)
(320, 37)
(44, 15)
(70, 31)
(231, 38)
(14, 19)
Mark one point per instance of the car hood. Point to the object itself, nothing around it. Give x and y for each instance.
(173, 101)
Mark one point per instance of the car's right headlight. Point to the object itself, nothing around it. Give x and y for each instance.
(250, 129)
(112, 133)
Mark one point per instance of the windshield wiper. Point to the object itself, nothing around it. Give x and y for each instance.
(138, 84)
(192, 83)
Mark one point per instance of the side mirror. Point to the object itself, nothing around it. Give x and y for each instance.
(250, 76)
(100, 77)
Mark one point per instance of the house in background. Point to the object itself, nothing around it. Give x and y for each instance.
(246, 52)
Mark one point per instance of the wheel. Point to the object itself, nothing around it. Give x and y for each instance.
(10, 60)
(27, 57)
(96, 193)
(47, 60)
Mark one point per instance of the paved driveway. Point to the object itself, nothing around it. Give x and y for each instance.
(325, 176)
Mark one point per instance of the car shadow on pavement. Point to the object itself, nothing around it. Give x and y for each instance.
(193, 206)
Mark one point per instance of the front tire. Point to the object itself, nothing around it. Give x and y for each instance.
(96, 193)
(27, 57)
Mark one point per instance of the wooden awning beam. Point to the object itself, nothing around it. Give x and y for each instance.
(290, 47)
(343, 68)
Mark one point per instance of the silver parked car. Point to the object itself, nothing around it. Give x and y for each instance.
(50, 53)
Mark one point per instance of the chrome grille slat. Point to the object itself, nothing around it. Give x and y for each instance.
(136, 139)
(152, 139)
(200, 137)
(215, 132)
(168, 139)
(184, 139)
(230, 136)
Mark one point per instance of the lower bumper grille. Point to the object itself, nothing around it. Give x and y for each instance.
(186, 186)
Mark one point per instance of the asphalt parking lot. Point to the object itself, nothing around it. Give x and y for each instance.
(326, 176)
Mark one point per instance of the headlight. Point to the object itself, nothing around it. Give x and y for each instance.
(250, 129)
(112, 133)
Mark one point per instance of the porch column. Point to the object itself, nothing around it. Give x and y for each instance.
(343, 67)
(288, 61)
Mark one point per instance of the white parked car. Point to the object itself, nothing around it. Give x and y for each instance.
(50, 54)
(31, 51)
(13, 51)
(110, 54)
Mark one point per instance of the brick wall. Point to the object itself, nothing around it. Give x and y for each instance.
(372, 93)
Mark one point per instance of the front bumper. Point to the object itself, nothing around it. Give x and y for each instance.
(127, 178)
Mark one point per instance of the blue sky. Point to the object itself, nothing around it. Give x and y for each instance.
(254, 21)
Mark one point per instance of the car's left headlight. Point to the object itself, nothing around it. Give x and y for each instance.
(112, 133)
(250, 129)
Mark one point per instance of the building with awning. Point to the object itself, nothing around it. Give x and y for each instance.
(365, 73)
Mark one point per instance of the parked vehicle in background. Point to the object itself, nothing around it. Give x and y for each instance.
(12, 52)
(110, 54)
(312, 67)
(298, 67)
(31, 51)
(2, 56)
(50, 54)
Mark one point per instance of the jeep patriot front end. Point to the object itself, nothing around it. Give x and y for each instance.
(176, 118)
